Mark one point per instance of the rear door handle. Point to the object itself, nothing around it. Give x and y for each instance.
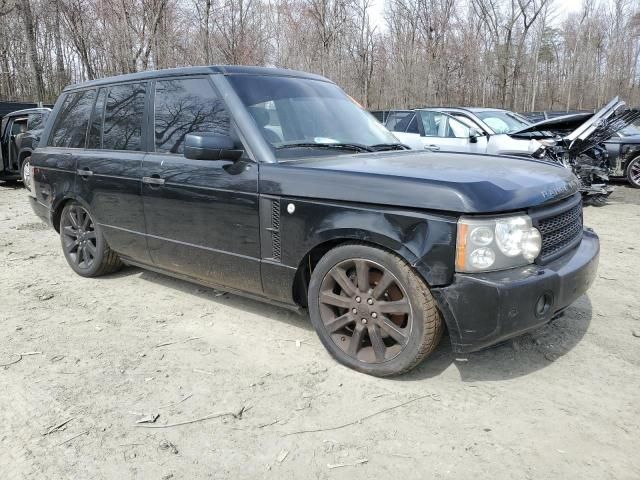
(153, 180)
(432, 147)
(84, 172)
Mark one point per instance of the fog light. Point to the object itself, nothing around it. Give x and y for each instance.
(543, 305)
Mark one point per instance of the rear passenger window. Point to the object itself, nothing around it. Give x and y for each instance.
(184, 106)
(124, 110)
(70, 129)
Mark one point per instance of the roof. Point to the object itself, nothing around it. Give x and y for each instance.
(27, 111)
(204, 70)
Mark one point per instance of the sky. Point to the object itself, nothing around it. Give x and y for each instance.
(562, 8)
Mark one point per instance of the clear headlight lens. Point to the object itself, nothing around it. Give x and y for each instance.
(498, 243)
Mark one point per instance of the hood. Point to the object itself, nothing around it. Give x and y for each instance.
(587, 130)
(448, 182)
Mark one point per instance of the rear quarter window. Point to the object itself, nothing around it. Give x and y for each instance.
(70, 128)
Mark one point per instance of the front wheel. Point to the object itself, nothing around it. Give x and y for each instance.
(633, 172)
(83, 243)
(25, 171)
(371, 311)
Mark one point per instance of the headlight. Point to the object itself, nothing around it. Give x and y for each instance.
(486, 244)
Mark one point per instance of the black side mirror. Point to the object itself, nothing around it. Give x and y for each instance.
(210, 146)
(474, 133)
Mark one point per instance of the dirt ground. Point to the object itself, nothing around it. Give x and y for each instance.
(563, 402)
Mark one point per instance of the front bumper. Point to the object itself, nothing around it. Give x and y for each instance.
(484, 309)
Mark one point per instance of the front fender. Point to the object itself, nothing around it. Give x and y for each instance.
(424, 240)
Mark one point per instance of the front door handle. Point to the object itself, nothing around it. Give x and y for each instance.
(432, 147)
(153, 180)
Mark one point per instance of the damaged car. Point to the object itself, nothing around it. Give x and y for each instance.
(575, 141)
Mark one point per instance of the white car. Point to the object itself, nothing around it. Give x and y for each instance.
(475, 130)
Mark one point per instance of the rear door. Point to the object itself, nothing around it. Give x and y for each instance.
(110, 168)
(201, 215)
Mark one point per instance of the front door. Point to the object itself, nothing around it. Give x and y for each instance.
(201, 215)
(109, 170)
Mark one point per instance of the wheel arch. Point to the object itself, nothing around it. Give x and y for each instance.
(58, 206)
(331, 239)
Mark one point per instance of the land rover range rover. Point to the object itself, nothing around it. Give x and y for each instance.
(275, 184)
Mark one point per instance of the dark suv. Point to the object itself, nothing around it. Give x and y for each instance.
(19, 134)
(275, 184)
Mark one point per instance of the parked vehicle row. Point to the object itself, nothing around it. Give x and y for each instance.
(275, 184)
(580, 141)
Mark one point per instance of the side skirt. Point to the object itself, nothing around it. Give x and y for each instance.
(259, 298)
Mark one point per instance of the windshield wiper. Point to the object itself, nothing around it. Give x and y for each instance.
(356, 147)
(381, 147)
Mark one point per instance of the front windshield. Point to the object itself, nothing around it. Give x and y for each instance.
(290, 111)
(502, 121)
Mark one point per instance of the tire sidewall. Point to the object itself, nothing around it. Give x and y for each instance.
(100, 243)
(25, 162)
(635, 161)
(407, 356)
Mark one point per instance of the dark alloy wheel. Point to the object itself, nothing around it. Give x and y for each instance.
(79, 237)
(372, 311)
(633, 172)
(83, 244)
(365, 310)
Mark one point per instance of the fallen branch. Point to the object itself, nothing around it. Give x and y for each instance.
(57, 427)
(164, 344)
(73, 438)
(195, 420)
(360, 420)
(186, 397)
(11, 363)
(331, 466)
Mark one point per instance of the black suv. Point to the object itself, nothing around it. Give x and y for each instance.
(275, 184)
(19, 134)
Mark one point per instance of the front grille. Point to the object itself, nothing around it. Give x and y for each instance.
(560, 227)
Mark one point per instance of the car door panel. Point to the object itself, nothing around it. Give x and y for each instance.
(109, 172)
(202, 216)
(203, 220)
(110, 182)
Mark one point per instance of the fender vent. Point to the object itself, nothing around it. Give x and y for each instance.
(275, 231)
(270, 243)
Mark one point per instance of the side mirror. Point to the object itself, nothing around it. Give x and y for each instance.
(474, 133)
(210, 146)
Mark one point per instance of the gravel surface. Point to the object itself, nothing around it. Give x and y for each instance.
(263, 398)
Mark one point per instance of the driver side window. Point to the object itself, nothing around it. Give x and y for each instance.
(184, 106)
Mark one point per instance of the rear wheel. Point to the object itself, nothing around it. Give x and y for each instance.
(83, 243)
(633, 172)
(372, 311)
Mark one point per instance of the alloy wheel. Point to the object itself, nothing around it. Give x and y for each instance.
(365, 310)
(26, 174)
(634, 173)
(79, 236)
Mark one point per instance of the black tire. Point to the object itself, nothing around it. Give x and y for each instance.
(83, 243)
(25, 176)
(403, 339)
(633, 172)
